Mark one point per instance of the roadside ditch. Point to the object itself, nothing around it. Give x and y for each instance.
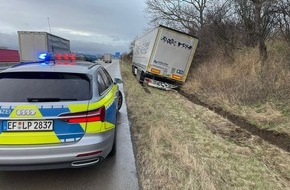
(280, 140)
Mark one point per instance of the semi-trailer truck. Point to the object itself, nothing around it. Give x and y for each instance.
(108, 58)
(162, 57)
(32, 44)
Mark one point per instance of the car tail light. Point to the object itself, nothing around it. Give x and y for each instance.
(82, 117)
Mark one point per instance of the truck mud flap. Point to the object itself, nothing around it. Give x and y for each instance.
(140, 76)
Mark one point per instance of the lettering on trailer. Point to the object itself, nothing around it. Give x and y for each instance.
(165, 65)
(175, 43)
(162, 66)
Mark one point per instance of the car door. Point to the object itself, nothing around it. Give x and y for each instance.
(106, 90)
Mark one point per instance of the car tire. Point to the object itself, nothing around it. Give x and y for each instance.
(120, 100)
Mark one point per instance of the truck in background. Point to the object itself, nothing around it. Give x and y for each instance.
(108, 58)
(9, 56)
(162, 57)
(32, 44)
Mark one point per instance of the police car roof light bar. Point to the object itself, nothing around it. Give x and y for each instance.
(58, 56)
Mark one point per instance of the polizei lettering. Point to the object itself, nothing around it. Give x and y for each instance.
(5, 111)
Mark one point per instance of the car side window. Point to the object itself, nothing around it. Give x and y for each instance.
(101, 83)
(108, 76)
(107, 80)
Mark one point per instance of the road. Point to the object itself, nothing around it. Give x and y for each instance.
(115, 173)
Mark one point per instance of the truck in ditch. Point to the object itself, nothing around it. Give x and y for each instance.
(32, 44)
(162, 57)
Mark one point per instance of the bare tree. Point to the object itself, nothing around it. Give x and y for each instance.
(244, 10)
(283, 14)
(199, 6)
(258, 28)
(221, 28)
(259, 19)
(186, 15)
(251, 22)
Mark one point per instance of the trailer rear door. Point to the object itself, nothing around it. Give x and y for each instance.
(173, 55)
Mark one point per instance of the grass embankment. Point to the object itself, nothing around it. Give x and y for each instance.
(246, 87)
(175, 147)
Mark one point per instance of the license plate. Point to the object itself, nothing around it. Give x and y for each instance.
(162, 84)
(42, 125)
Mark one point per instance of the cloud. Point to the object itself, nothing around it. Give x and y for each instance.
(74, 32)
(114, 23)
(9, 41)
(82, 46)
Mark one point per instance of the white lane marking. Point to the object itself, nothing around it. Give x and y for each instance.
(106, 67)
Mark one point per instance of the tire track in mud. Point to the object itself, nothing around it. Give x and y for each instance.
(281, 140)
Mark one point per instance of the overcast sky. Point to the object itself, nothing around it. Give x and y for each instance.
(92, 26)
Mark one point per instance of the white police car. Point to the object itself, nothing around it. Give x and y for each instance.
(57, 113)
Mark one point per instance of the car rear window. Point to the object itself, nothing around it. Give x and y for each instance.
(44, 87)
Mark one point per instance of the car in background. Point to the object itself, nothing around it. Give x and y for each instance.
(57, 113)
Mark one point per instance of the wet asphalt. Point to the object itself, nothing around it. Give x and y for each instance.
(113, 173)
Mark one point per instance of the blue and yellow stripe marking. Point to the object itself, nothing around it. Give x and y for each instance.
(63, 132)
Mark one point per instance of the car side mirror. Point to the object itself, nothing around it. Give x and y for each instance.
(118, 81)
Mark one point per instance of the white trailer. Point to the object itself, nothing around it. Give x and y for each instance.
(32, 44)
(162, 57)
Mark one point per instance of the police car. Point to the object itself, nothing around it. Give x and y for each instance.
(57, 113)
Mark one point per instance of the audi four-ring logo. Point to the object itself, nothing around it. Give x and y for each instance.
(26, 112)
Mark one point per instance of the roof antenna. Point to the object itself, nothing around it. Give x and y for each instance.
(48, 24)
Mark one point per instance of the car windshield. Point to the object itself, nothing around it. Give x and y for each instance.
(44, 87)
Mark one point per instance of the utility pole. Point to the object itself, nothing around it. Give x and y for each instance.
(48, 24)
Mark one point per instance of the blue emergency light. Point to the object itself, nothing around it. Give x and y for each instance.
(59, 57)
(44, 56)
(55, 58)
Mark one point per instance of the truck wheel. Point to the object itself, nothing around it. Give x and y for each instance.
(133, 70)
(141, 77)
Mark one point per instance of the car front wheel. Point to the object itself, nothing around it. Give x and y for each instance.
(120, 100)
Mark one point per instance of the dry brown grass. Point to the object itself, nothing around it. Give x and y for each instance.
(260, 92)
(176, 146)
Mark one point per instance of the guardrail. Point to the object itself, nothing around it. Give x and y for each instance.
(6, 65)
